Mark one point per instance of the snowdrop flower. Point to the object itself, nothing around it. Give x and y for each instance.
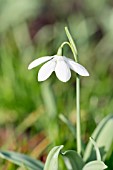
(60, 64)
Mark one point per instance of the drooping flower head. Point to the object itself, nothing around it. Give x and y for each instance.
(60, 64)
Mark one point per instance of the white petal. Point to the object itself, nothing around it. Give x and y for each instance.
(78, 68)
(62, 71)
(46, 70)
(39, 61)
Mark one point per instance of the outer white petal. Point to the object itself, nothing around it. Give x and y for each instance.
(46, 70)
(39, 61)
(62, 71)
(78, 68)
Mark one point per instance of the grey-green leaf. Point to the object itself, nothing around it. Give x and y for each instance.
(95, 165)
(103, 138)
(98, 156)
(21, 159)
(52, 159)
(72, 160)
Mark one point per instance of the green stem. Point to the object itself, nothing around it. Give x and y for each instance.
(78, 117)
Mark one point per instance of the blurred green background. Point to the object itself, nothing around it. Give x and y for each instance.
(29, 110)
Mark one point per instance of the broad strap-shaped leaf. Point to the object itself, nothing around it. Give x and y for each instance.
(21, 159)
(103, 137)
(72, 160)
(95, 165)
(98, 156)
(52, 159)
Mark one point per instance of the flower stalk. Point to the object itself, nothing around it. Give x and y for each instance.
(78, 116)
(78, 119)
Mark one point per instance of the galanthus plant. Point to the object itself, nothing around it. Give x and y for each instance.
(88, 159)
(62, 65)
